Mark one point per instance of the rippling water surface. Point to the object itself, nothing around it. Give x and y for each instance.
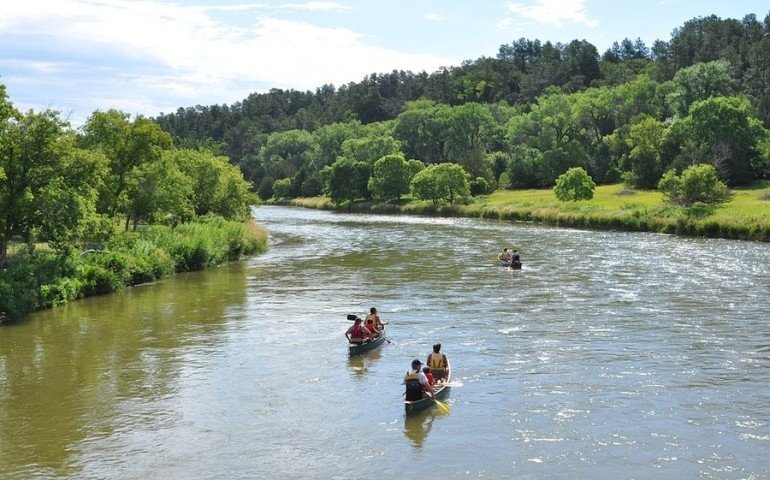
(610, 355)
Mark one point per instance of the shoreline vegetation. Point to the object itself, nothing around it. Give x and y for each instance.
(48, 279)
(745, 217)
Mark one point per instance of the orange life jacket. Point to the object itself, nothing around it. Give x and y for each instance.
(357, 331)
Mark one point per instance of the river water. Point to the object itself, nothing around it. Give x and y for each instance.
(609, 355)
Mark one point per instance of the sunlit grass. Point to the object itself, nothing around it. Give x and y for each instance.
(745, 216)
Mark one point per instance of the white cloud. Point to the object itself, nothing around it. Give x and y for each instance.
(159, 53)
(554, 12)
(435, 17)
(317, 6)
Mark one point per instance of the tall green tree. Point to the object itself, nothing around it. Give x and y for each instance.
(699, 82)
(127, 144)
(390, 177)
(46, 185)
(348, 180)
(645, 140)
(470, 129)
(217, 186)
(441, 182)
(158, 192)
(721, 131)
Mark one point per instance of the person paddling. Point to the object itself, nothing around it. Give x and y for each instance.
(373, 323)
(438, 363)
(416, 383)
(357, 333)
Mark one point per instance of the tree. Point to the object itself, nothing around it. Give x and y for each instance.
(574, 185)
(390, 177)
(348, 180)
(422, 131)
(469, 130)
(217, 186)
(645, 139)
(720, 131)
(127, 145)
(282, 188)
(442, 182)
(697, 184)
(46, 185)
(370, 148)
(158, 192)
(287, 152)
(699, 82)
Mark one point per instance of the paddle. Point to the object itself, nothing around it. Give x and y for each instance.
(442, 406)
(453, 384)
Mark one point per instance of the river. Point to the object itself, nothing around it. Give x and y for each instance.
(609, 355)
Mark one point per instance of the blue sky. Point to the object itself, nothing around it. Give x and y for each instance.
(147, 57)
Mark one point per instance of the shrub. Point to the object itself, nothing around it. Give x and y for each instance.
(697, 184)
(574, 185)
(479, 186)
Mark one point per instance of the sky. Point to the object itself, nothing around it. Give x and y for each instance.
(147, 57)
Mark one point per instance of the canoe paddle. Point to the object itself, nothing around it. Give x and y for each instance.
(442, 406)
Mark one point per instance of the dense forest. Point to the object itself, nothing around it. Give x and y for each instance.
(516, 120)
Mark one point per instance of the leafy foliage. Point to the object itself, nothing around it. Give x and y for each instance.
(697, 184)
(574, 185)
(390, 177)
(444, 182)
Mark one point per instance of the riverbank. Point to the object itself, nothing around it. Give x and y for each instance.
(745, 217)
(43, 280)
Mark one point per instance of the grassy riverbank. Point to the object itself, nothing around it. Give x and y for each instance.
(47, 279)
(746, 216)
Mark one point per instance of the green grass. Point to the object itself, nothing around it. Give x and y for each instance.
(746, 216)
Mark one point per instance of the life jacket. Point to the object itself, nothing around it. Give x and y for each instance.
(436, 362)
(357, 332)
(413, 387)
(370, 322)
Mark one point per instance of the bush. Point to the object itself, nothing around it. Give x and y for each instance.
(479, 186)
(98, 280)
(574, 185)
(697, 184)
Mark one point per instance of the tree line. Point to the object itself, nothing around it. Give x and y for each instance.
(69, 187)
(519, 119)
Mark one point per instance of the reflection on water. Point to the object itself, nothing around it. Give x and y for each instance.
(361, 364)
(95, 368)
(591, 362)
(417, 426)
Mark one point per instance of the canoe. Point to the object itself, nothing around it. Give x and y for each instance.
(514, 264)
(358, 348)
(441, 390)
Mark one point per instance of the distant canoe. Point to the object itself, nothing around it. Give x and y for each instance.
(514, 264)
(358, 348)
(440, 389)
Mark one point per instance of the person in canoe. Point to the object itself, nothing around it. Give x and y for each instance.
(504, 256)
(373, 323)
(357, 333)
(428, 375)
(438, 363)
(416, 383)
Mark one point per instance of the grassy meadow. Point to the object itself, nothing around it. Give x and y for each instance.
(746, 216)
